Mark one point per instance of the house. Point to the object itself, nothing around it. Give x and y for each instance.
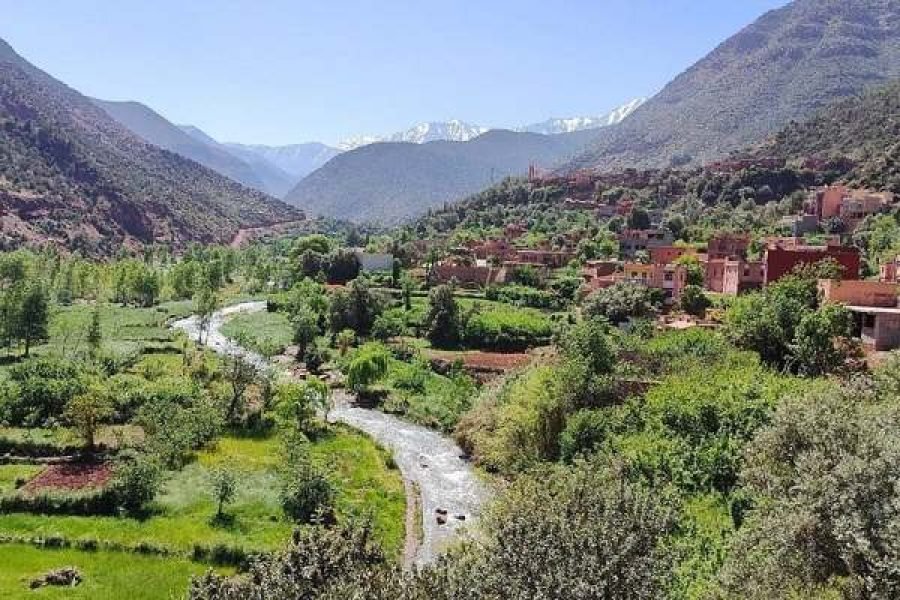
(632, 241)
(733, 276)
(849, 205)
(874, 306)
(670, 278)
(783, 256)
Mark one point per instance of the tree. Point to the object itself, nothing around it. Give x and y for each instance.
(407, 286)
(344, 340)
(89, 411)
(240, 375)
(620, 302)
(343, 266)
(136, 481)
(223, 486)
(34, 317)
(206, 302)
(297, 403)
(695, 271)
(639, 218)
(694, 301)
(442, 321)
(306, 492)
(306, 329)
(368, 364)
(95, 332)
(821, 344)
(825, 479)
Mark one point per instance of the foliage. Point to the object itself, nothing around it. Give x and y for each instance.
(88, 411)
(39, 391)
(825, 474)
(367, 365)
(223, 485)
(306, 492)
(620, 302)
(505, 328)
(138, 478)
(694, 301)
(442, 321)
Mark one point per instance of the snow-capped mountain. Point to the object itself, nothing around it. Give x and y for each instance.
(461, 131)
(451, 131)
(556, 125)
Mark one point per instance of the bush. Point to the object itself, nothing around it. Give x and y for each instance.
(621, 302)
(306, 492)
(138, 479)
(506, 329)
(39, 391)
(519, 295)
(585, 431)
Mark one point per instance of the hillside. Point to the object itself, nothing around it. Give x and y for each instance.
(72, 175)
(786, 66)
(865, 129)
(154, 128)
(388, 182)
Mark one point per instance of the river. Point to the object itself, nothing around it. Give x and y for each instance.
(450, 492)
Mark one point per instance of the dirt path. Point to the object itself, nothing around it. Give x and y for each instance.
(450, 494)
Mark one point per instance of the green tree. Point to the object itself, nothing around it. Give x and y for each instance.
(639, 218)
(95, 332)
(620, 302)
(223, 487)
(367, 365)
(88, 412)
(306, 329)
(442, 321)
(240, 374)
(34, 317)
(693, 301)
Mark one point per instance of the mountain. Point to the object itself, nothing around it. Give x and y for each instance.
(296, 160)
(864, 128)
(72, 175)
(155, 129)
(557, 125)
(786, 66)
(387, 182)
(461, 131)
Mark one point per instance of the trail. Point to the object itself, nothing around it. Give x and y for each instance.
(429, 462)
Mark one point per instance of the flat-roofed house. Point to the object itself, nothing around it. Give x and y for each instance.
(875, 309)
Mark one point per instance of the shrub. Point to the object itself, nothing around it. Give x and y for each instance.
(506, 329)
(137, 480)
(585, 431)
(621, 302)
(306, 492)
(39, 391)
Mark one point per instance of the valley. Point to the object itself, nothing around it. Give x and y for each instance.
(652, 352)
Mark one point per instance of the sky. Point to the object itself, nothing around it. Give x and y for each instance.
(291, 71)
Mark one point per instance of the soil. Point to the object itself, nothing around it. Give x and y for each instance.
(71, 477)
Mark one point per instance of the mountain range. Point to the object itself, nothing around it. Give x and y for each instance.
(72, 175)
(786, 66)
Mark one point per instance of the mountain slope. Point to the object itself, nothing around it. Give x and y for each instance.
(865, 129)
(387, 182)
(72, 175)
(154, 128)
(787, 65)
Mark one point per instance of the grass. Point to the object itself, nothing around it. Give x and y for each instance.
(266, 332)
(184, 509)
(9, 474)
(107, 575)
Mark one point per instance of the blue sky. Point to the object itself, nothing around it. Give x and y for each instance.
(282, 71)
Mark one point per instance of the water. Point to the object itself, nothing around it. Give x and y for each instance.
(426, 459)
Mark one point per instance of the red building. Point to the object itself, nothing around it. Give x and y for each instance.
(728, 245)
(781, 259)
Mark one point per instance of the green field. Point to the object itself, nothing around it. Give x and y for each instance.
(182, 513)
(107, 575)
(265, 332)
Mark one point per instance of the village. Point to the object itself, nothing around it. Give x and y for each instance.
(728, 264)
